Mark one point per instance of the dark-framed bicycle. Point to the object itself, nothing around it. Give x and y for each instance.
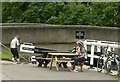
(113, 64)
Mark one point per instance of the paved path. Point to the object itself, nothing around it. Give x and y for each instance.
(32, 72)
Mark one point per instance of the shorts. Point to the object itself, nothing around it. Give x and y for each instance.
(77, 59)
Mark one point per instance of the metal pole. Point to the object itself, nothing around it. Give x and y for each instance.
(4, 46)
(92, 57)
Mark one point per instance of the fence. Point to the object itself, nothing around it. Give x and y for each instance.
(98, 45)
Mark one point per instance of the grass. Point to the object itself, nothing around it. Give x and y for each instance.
(5, 53)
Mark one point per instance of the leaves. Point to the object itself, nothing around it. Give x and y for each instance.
(63, 13)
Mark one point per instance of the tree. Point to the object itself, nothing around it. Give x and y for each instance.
(63, 13)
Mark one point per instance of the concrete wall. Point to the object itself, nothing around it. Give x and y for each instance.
(56, 34)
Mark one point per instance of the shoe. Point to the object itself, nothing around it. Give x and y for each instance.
(70, 69)
(14, 62)
(12, 59)
(75, 70)
(18, 60)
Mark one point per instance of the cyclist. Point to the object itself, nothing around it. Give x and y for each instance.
(82, 56)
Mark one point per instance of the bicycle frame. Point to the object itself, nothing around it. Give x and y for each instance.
(113, 61)
(104, 57)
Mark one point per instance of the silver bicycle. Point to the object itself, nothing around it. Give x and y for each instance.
(102, 61)
(113, 64)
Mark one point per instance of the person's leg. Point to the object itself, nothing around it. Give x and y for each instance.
(73, 65)
(13, 53)
(65, 64)
(46, 62)
(76, 64)
(17, 56)
(60, 64)
(72, 69)
(40, 62)
(82, 59)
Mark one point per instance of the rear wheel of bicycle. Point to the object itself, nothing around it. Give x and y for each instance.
(113, 69)
(100, 64)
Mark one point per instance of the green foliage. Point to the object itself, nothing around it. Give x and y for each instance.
(5, 53)
(0, 12)
(63, 13)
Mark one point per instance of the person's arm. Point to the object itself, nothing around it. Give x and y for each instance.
(77, 50)
(18, 43)
(81, 52)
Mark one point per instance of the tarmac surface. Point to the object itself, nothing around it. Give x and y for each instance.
(11, 71)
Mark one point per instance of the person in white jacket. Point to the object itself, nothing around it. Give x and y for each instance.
(13, 46)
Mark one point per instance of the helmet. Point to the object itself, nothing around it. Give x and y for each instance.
(80, 42)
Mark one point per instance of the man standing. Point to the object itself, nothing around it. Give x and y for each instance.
(13, 46)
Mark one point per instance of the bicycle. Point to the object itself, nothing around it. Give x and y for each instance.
(113, 64)
(102, 61)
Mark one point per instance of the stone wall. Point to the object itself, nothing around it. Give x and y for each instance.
(42, 34)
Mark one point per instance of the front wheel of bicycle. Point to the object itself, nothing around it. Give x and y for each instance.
(108, 67)
(113, 69)
(100, 64)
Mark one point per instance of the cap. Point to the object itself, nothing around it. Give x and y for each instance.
(17, 37)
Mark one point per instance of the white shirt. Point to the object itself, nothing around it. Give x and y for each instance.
(14, 43)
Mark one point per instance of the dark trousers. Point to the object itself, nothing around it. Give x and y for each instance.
(14, 52)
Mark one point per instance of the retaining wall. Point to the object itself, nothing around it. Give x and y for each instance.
(42, 34)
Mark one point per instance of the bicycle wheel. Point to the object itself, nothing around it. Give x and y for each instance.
(100, 64)
(113, 69)
(108, 66)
